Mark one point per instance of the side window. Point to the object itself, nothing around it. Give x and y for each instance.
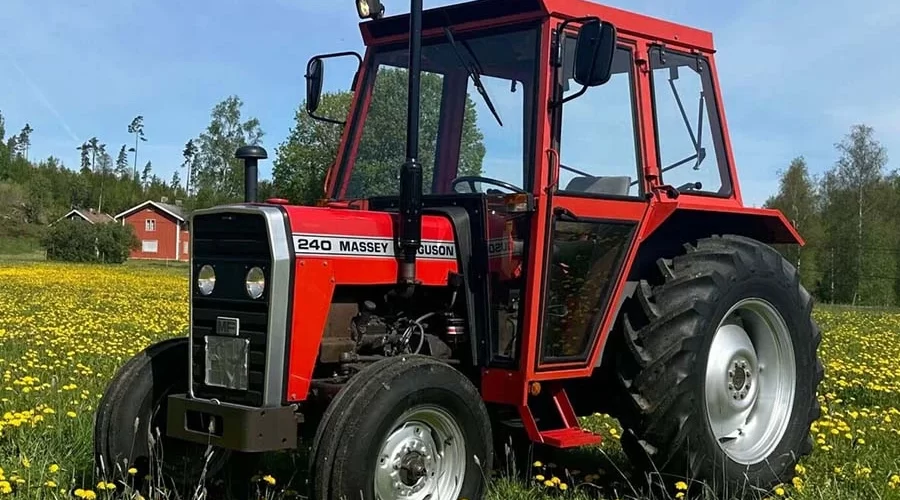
(598, 136)
(688, 132)
(584, 260)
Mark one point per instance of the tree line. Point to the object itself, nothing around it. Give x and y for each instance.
(849, 215)
(850, 219)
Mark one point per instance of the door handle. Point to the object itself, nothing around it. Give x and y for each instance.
(564, 213)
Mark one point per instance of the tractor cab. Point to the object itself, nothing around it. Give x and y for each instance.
(554, 125)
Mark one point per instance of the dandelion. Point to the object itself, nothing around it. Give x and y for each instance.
(71, 414)
(50, 484)
(681, 486)
(132, 471)
(53, 468)
(269, 479)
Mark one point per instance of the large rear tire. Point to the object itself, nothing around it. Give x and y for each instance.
(411, 427)
(130, 426)
(717, 361)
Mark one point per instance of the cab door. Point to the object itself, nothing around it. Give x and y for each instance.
(595, 205)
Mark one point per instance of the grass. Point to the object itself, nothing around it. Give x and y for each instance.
(64, 329)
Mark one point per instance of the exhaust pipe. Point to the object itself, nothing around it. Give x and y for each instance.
(409, 235)
(251, 156)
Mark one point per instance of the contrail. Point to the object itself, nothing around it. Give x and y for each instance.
(46, 102)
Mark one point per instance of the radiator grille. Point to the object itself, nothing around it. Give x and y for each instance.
(232, 243)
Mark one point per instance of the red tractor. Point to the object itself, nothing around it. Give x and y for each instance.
(566, 235)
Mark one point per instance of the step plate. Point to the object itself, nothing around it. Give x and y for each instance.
(570, 438)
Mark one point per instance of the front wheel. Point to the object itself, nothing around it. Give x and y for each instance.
(408, 427)
(718, 363)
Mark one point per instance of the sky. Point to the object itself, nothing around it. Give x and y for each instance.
(795, 75)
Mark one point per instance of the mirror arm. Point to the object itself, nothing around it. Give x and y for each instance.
(557, 57)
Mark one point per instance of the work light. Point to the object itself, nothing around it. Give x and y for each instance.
(206, 279)
(369, 9)
(255, 282)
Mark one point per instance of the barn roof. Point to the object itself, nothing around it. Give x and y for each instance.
(90, 215)
(173, 210)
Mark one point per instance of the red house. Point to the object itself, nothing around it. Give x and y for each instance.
(161, 229)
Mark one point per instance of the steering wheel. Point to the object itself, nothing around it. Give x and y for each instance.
(472, 179)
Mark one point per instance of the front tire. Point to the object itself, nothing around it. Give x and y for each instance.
(719, 367)
(412, 427)
(130, 426)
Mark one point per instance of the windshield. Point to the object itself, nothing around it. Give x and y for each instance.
(459, 134)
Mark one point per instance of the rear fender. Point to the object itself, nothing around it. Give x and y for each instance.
(670, 225)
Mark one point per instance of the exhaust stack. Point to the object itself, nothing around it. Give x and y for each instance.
(409, 236)
(251, 156)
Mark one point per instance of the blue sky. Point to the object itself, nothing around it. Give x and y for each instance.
(795, 75)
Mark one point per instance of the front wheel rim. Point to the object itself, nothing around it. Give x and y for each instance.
(750, 381)
(423, 456)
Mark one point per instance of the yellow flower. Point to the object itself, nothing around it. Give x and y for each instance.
(563, 486)
(681, 486)
(548, 483)
(269, 479)
(53, 468)
(538, 464)
(539, 477)
(779, 491)
(132, 471)
(5, 487)
(680, 494)
(50, 484)
(894, 481)
(71, 414)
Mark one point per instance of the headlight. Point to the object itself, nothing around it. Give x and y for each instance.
(255, 282)
(206, 279)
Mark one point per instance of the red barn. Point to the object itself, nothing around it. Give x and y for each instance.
(161, 229)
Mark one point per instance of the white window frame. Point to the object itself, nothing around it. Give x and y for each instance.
(145, 244)
(150, 225)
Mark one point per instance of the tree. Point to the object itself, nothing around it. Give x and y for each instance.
(85, 149)
(189, 152)
(136, 127)
(176, 181)
(122, 163)
(23, 142)
(854, 212)
(145, 175)
(798, 201)
(2, 127)
(302, 160)
(219, 175)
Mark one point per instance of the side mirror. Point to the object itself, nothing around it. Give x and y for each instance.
(314, 77)
(594, 51)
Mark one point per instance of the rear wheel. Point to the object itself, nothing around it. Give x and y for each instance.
(411, 428)
(719, 368)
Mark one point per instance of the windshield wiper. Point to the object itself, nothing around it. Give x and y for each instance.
(474, 74)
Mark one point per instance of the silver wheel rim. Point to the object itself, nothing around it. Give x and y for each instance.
(750, 381)
(423, 456)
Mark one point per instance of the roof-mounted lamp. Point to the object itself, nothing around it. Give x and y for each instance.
(369, 9)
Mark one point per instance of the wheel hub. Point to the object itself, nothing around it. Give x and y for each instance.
(749, 406)
(424, 457)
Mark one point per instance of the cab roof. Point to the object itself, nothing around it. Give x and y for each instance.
(485, 11)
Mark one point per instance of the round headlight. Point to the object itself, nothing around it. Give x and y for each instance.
(255, 282)
(206, 279)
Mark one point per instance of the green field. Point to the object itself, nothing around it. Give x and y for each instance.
(64, 329)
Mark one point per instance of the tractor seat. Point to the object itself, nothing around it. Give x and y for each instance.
(613, 185)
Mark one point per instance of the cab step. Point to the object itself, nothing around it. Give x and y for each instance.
(571, 437)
